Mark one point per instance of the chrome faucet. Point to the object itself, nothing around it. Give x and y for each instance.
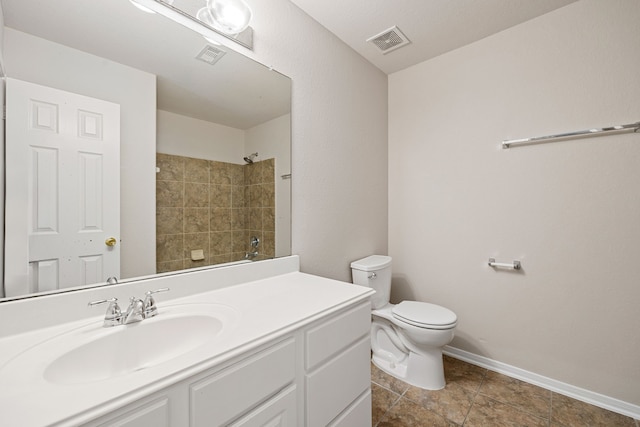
(137, 311)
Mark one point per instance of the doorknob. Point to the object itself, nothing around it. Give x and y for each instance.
(111, 241)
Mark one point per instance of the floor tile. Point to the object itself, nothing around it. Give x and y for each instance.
(387, 381)
(476, 397)
(524, 396)
(462, 373)
(568, 412)
(381, 400)
(489, 412)
(408, 414)
(452, 402)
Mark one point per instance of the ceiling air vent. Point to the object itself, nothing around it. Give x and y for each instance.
(389, 40)
(210, 54)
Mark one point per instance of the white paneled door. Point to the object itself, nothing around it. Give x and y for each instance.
(63, 189)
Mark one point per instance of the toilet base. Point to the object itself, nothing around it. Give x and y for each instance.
(424, 370)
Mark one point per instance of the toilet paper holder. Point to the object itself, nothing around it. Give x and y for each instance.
(515, 265)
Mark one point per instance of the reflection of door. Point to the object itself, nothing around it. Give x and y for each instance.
(63, 189)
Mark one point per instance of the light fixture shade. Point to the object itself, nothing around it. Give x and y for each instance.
(146, 9)
(230, 16)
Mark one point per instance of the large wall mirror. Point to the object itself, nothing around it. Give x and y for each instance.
(135, 147)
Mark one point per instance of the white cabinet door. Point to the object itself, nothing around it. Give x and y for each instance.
(62, 189)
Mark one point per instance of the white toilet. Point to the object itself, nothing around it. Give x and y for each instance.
(407, 338)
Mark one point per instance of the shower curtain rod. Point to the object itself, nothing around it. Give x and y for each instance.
(632, 127)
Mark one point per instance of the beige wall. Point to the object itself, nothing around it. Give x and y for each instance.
(185, 136)
(339, 139)
(570, 211)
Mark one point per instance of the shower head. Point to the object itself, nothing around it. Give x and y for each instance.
(249, 158)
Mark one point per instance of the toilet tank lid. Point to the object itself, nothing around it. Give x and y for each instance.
(372, 263)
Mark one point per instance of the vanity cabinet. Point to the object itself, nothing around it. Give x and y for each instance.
(317, 375)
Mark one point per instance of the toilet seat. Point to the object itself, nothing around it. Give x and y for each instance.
(424, 315)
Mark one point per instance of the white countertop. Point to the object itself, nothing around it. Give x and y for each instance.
(265, 310)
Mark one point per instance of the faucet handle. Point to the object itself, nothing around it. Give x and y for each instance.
(113, 316)
(150, 308)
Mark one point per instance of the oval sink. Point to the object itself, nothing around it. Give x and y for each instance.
(132, 348)
(93, 353)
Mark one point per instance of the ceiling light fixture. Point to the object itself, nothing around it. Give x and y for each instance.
(146, 9)
(229, 16)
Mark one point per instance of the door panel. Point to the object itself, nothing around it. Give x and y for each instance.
(63, 189)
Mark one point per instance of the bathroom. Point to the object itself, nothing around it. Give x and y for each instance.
(410, 164)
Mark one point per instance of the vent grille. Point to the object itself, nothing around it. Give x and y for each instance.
(389, 40)
(210, 54)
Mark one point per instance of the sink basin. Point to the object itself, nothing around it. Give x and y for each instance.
(93, 353)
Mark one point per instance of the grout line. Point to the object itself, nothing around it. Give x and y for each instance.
(473, 401)
(395, 402)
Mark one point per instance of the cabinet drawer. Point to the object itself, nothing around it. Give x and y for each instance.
(329, 338)
(334, 386)
(152, 414)
(359, 414)
(225, 395)
(280, 411)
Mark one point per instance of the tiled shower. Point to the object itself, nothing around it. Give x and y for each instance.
(207, 211)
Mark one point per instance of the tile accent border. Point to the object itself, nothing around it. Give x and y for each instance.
(587, 396)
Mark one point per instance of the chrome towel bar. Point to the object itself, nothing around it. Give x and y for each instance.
(632, 127)
(515, 265)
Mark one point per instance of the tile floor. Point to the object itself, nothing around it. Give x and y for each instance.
(475, 396)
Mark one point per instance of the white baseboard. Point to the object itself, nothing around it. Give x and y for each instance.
(577, 393)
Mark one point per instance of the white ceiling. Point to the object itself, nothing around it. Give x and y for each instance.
(433, 26)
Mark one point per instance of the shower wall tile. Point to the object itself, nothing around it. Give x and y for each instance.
(269, 195)
(269, 219)
(196, 195)
(170, 194)
(171, 167)
(196, 220)
(238, 218)
(255, 218)
(236, 172)
(196, 170)
(220, 259)
(237, 196)
(220, 219)
(220, 196)
(167, 266)
(169, 220)
(253, 173)
(220, 242)
(220, 173)
(169, 247)
(213, 206)
(239, 239)
(255, 196)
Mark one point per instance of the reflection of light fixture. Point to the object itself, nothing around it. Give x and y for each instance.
(204, 16)
(229, 16)
(146, 9)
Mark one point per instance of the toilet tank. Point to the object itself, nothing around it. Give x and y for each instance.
(374, 272)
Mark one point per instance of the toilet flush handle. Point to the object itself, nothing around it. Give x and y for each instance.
(372, 276)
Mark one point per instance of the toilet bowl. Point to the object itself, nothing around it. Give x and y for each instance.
(406, 338)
